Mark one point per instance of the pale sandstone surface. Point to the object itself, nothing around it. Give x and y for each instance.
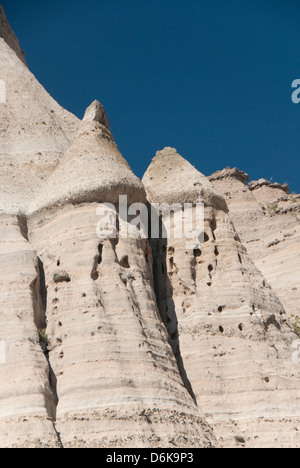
(9, 36)
(101, 352)
(88, 362)
(92, 169)
(26, 404)
(267, 218)
(117, 379)
(227, 327)
(34, 130)
(118, 382)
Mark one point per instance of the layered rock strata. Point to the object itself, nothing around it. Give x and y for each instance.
(228, 328)
(267, 217)
(87, 359)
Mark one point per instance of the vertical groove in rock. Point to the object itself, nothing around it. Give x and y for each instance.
(164, 297)
(108, 347)
(39, 296)
(26, 395)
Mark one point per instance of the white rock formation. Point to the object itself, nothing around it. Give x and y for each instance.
(98, 350)
(228, 328)
(88, 359)
(34, 130)
(267, 218)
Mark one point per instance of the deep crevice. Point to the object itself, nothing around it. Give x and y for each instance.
(164, 295)
(39, 299)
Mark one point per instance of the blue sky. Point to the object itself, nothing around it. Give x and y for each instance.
(210, 78)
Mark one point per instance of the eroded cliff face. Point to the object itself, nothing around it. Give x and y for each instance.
(267, 217)
(227, 327)
(114, 341)
(34, 130)
(88, 362)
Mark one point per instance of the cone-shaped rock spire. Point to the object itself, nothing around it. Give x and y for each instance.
(172, 179)
(35, 130)
(92, 169)
(96, 113)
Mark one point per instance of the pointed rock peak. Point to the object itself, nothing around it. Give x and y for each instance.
(9, 36)
(91, 170)
(229, 173)
(171, 179)
(96, 113)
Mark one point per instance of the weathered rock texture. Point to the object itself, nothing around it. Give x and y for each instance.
(228, 328)
(34, 130)
(88, 358)
(267, 217)
(104, 347)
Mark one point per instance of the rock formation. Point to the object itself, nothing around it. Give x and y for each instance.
(267, 217)
(88, 358)
(131, 341)
(227, 327)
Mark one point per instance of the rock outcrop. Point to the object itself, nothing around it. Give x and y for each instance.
(227, 327)
(88, 362)
(267, 217)
(34, 130)
(115, 340)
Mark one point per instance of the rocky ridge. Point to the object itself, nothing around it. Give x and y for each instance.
(129, 342)
(267, 217)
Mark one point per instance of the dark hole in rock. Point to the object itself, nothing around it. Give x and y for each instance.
(94, 275)
(125, 262)
(100, 250)
(174, 335)
(240, 259)
(197, 253)
(241, 327)
(61, 277)
(240, 440)
(221, 329)
(206, 237)
(58, 263)
(216, 251)
(220, 309)
(210, 268)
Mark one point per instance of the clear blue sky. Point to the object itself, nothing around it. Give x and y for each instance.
(211, 78)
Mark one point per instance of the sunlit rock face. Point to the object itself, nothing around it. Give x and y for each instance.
(137, 340)
(227, 327)
(117, 381)
(267, 217)
(85, 359)
(34, 130)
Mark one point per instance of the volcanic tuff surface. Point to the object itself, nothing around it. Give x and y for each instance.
(267, 217)
(136, 342)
